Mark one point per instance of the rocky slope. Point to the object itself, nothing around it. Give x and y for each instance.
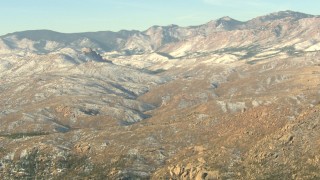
(223, 100)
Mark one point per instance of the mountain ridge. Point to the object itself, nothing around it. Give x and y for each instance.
(289, 13)
(156, 38)
(223, 100)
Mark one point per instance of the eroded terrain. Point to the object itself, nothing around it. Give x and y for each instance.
(224, 100)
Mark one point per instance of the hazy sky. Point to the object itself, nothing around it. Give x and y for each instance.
(99, 15)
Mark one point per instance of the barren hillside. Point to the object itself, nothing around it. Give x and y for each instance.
(223, 100)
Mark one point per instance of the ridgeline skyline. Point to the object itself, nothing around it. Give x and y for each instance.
(99, 15)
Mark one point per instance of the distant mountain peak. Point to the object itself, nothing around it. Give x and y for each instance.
(162, 27)
(283, 15)
(226, 18)
(222, 19)
(224, 23)
(289, 13)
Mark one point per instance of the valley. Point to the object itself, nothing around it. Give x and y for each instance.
(223, 100)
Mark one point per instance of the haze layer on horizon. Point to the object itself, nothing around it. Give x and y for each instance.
(99, 15)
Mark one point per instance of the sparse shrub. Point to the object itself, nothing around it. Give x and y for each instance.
(22, 135)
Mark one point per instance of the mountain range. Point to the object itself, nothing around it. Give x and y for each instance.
(283, 26)
(222, 100)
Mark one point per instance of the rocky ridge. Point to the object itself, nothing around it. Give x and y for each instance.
(223, 100)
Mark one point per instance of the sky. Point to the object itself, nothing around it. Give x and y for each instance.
(99, 15)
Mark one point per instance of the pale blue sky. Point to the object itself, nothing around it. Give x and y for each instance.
(100, 15)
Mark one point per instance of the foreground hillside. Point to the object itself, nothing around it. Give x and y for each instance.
(223, 100)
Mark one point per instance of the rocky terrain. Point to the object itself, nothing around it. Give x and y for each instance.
(223, 100)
